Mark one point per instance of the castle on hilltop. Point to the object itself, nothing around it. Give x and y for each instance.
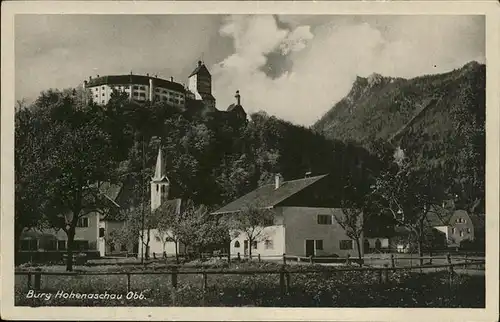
(146, 88)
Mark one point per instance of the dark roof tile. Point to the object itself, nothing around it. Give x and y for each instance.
(267, 196)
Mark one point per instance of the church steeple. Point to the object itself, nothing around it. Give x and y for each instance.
(160, 184)
(160, 167)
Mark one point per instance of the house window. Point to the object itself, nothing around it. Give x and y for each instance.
(123, 248)
(102, 101)
(346, 244)
(102, 87)
(82, 222)
(101, 232)
(453, 230)
(236, 244)
(134, 87)
(254, 244)
(269, 244)
(52, 245)
(468, 230)
(157, 238)
(96, 95)
(319, 244)
(324, 219)
(61, 245)
(112, 247)
(461, 233)
(29, 244)
(142, 94)
(464, 220)
(82, 244)
(136, 94)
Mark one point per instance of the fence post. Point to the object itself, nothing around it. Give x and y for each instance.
(239, 257)
(392, 261)
(311, 259)
(128, 282)
(430, 256)
(38, 278)
(379, 272)
(348, 259)
(258, 255)
(174, 277)
(29, 281)
(204, 287)
(448, 258)
(386, 273)
(284, 259)
(287, 283)
(154, 255)
(283, 286)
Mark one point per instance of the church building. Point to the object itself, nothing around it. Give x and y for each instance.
(160, 241)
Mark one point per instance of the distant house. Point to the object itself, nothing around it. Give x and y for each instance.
(159, 242)
(90, 232)
(457, 225)
(303, 223)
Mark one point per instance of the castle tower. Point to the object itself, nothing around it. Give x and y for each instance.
(200, 84)
(160, 184)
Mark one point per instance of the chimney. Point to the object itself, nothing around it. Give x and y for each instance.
(147, 74)
(278, 181)
(308, 174)
(238, 97)
(97, 75)
(171, 79)
(199, 63)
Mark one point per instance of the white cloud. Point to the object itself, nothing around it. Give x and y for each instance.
(326, 60)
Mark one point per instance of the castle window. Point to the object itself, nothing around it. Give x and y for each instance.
(142, 94)
(96, 95)
(102, 94)
(142, 87)
(468, 230)
(103, 87)
(135, 87)
(269, 244)
(157, 188)
(102, 101)
(236, 244)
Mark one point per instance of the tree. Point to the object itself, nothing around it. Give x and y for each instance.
(351, 220)
(30, 192)
(250, 222)
(167, 222)
(409, 194)
(80, 158)
(199, 230)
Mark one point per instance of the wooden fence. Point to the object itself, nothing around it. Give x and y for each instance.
(284, 273)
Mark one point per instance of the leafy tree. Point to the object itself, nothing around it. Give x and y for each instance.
(30, 192)
(79, 159)
(408, 193)
(250, 222)
(199, 230)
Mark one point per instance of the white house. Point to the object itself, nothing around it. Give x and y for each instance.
(303, 223)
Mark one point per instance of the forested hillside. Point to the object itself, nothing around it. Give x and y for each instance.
(438, 120)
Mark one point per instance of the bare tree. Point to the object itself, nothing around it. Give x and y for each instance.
(351, 220)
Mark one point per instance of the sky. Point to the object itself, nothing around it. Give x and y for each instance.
(294, 67)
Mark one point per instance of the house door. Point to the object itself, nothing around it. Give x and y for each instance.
(245, 248)
(309, 247)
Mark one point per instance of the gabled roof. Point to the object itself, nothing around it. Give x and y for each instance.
(439, 217)
(201, 67)
(267, 196)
